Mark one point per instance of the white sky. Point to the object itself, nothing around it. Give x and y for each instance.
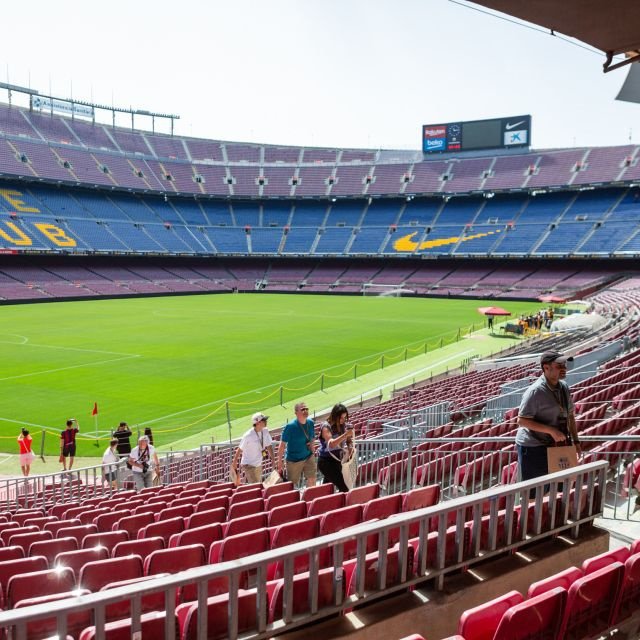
(346, 73)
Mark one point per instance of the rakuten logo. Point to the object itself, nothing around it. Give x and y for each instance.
(435, 132)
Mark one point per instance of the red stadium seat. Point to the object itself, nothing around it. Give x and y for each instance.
(163, 529)
(562, 579)
(40, 521)
(51, 548)
(603, 559)
(245, 508)
(143, 548)
(10, 568)
(23, 515)
(591, 603)
(280, 499)
(287, 513)
(47, 627)
(207, 504)
(538, 618)
(324, 504)
(217, 616)
(108, 539)
(99, 573)
(151, 625)
(319, 490)
(481, 622)
(202, 518)
(338, 520)
(77, 532)
(91, 514)
(25, 540)
(74, 560)
(244, 525)
(182, 511)
(301, 604)
(371, 570)
(106, 521)
(174, 560)
(39, 583)
(380, 509)
(122, 608)
(54, 527)
(281, 487)
(362, 495)
(420, 498)
(290, 533)
(244, 493)
(205, 535)
(629, 602)
(132, 524)
(12, 553)
(7, 534)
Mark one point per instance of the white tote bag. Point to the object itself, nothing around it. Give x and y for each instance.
(350, 467)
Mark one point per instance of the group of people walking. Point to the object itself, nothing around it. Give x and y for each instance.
(296, 456)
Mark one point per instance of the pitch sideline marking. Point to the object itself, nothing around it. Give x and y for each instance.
(75, 366)
(26, 343)
(384, 386)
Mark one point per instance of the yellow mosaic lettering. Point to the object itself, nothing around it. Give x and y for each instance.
(55, 234)
(13, 198)
(22, 239)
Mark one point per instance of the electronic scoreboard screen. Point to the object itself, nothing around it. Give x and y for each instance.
(496, 133)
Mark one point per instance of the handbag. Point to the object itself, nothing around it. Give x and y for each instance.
(273, 478)
(350, 467)
(561, 458)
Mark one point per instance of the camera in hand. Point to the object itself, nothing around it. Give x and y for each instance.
(145, 467)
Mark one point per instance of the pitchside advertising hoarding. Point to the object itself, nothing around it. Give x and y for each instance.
(495, 133)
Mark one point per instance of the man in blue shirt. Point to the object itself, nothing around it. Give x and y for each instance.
(298, 437)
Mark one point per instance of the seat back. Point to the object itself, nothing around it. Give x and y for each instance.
(362, 495)
(163, 529)
(290, 533)
(25, 540)
(107, 539)
(603, 559)
(280, 499)
(78, 532)
(207, 504)
(106, 521)
(317, 491)
(39, 583)
(143, 548)
(12, 553)
(630, 595)
(324, 504)
(244, 525)
(151, 626)
(287, 512)
(205, 536)
(181, 511)
(481, 622)
(591, 602)
(99, 573)
(281, 487)
(6, 534)
(202, 518)
(10, 568)
(245, 508)
(133, 524)
(75, 559)
(217, 616)
(562, 579)
(337, 521)
(175, 559)
(538, 618)
(51, 548)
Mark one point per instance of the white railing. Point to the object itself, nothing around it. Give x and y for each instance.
(560, 502)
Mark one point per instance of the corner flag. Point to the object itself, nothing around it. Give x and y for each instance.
(95, 409)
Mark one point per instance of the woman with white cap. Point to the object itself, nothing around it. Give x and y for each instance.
(255, 446)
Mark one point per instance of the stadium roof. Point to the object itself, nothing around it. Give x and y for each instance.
(612, 26)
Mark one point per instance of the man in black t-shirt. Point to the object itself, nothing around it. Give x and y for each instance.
(122, 435)
(68, 443)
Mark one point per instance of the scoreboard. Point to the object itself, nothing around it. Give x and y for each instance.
(496, 133)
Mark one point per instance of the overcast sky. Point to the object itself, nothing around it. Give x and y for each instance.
(346, 73)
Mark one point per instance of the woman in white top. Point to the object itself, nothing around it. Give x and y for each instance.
(110, 461)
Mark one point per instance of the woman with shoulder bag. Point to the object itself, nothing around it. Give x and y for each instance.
(336, 440)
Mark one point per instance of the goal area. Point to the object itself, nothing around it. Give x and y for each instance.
(385, 290)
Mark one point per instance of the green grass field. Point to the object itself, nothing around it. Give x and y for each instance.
(174, 363)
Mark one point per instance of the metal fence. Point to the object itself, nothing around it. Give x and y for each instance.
(410, 548)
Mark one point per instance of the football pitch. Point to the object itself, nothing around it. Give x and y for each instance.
(186, 364)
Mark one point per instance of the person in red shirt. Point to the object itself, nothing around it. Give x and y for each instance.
(26, 455)
(68, 443)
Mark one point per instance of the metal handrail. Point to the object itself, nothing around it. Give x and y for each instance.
(566, 515)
